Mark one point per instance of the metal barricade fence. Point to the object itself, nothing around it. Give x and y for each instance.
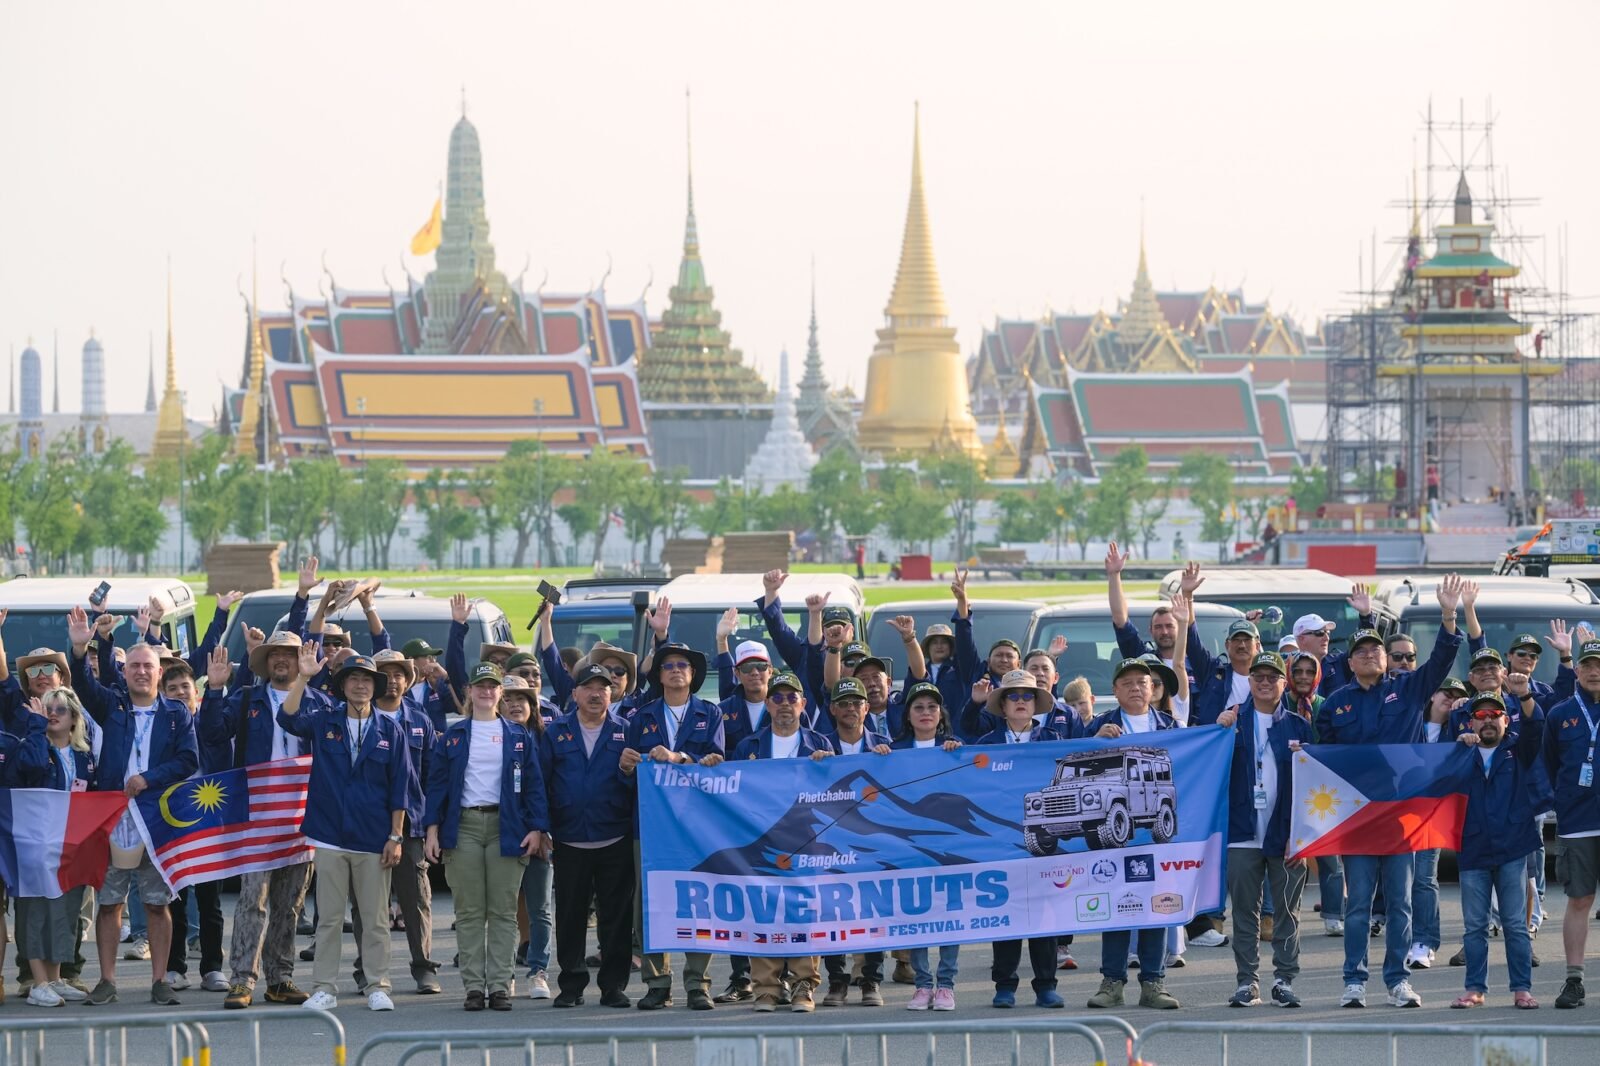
(760, 1044)
(24, 1041)
(1509, 1041)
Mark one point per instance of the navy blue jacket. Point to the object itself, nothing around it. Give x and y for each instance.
(699, 735)
(1391, 711)
(759, 746)
(976, 721)
(1037, 735)
(803, 658)
(173, 752)
(1242, 778)
(1566, 744)
(1212, 687)
(555, 672)
(1546, 696)
(1130, 645)
(736, 724)
(1336, 666)
(218, 725)
(420, 736)
(24, 760)
(349, 805)
(591, 799)
(1114, 717)
(524, 807)
(1501, 807)
(869, 739)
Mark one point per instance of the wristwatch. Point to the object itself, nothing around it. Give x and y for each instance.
(394, 838)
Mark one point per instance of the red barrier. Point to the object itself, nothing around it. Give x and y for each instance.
(916, 568)
(1347, 560)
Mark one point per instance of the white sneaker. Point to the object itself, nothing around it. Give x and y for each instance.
(379, 1000)
(126, 933)
(1334, 926)
(67, 992)
(138, 948)
(1355, 995)
(44, 996)
(321, 1001)
(1402, 995)
(214, 981)
(1420, 957)
(177, 980)
(538, 986)
(1208, 939)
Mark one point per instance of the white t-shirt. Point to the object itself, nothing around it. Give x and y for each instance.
(672, 721)
(1432, 730)
(355, 734)
(1268, 777)
(785, 747)
(1239, 694)
(1139, 723)
(591, 737)
(756, 712)
(925, 743)
(1487, 755)
(144, 720)
(481, 785)
(285, 745)
(846, 748)
(1013, 737)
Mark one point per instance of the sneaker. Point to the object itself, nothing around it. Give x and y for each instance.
(1355, 995)
(238, 997)
(1110, 994)
(767, 1004)
(213, 982)
(1402, 995)
(944, 999)
(321, 1001)
(1571, 994)
(1266, 928)
(1064, 959)
(45, 996)
(138, 949)
(1333, 926)
(1004, 998)
(75, 983)
(1533, 958)
(67, 992)
(1375, 930)
(1154, 994)
(538, 985)
(921, 999)
(1208, 939)
(1133, 962)
(1048, 998)
(308, 954)
(1245, 996)
(838, 993)
(1283, 995)
(737, 992)
(161, 994)
(286, 992)
(1420, 957)
(379, 1000)
(1459, 958)
(104, 992)
(871, 994)
(1175, 962)
(194, 947)
(801, 1001)
(178, 981)
(428, 985)
(1494, 928)
(127, 932)
(474, 1001)
(499, 999)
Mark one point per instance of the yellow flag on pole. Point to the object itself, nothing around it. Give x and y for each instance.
(428, 237)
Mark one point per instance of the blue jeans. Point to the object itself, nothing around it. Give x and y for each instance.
(1361, 878)
(1330, 885)
(1152, 954)
(1508, 882)
(135, 916)
(1425, 898)
(948, 954)
(537, 879)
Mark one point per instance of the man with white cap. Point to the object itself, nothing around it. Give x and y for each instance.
(744, 709)
(1314, 634)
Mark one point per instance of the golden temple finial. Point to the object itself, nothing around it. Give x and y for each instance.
(917, 293)
(170, 431)
(691, 230)
(244, 438)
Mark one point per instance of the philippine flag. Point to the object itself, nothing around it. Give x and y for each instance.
(1378, 799)
(52, 841)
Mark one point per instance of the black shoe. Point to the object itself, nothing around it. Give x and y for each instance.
(737, 992)
(592, 961)
(308, 954)
(1571, 994)
(785, 994)
(305, 927)
(521, 957)
(700, 999)
(655, 999)
(349, 926)
(568, 999)
(474, 1000)
(614, 998)
(500, 1000)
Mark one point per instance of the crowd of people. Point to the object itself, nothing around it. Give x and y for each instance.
(419, 757)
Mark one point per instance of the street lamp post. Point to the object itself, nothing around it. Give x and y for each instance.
(361, 412)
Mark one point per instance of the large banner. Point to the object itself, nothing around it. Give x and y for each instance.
(869, 852)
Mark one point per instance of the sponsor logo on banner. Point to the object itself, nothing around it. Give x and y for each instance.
(1103, 871)
(1175, 865)
(1166, 902)
(1095, 907)
(1129, 905)
(1062, 876)
(1137, 868)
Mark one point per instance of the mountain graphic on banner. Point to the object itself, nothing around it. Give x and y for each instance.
(942, 826)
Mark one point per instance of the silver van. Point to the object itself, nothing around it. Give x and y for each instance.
(37, 610)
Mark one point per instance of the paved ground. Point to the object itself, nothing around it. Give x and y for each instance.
(1203, 985)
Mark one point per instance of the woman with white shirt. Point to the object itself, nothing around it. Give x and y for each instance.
(486, 815)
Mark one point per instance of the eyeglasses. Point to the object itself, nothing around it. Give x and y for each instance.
(786, 696)
(754, 668)
(622, 671)
(1403, 657)
(1265, 677)
(41, 670)
(676, 664)
(1018, 696)
(1527, 653)
(1487, 713)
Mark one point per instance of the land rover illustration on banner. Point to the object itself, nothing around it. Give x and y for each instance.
(1103, 796)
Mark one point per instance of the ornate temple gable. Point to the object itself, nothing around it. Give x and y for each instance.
(1162, 353)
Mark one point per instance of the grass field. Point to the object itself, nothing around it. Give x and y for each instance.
(516, 592)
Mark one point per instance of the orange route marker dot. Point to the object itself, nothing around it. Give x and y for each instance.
(980, 761)
(785, 862)
(869, 794)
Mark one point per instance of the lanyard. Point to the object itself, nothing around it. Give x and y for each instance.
(677, 723)
(147, 719)
(1594, 727)
(357, 735)
(1263, 739)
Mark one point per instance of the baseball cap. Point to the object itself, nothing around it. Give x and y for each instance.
(854, 652)
(848, 688)
(748, 650)
(1287, 644)
(416, 649)
(1589, 649)
(522, 658)
(1527, 640)
(1365, 636)
(1243, 626)
(1311, 623)
(1486, 655)
(1006, 642)
(1271, 660)
(836, 614)
(592, 672)
(1487, 697)
(790, 681)
(925, 688)
(1136, 664)
(486, 672)
(1454, 684)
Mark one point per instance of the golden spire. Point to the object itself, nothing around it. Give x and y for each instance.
(917, 293)
(171, 433)
(1142, 316)
(244, 438)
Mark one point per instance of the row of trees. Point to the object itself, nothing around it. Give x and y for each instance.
(76, 506)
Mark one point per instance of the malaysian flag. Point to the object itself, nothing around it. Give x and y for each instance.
(234, 822)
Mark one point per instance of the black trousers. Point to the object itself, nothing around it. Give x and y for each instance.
(606, 875)
(1041, 956)
(208, 895)
(871, 967)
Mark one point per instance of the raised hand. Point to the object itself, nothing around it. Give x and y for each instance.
(1469, 594)
(771, 582)
(311, 663)
(906, 626)
(1360, 599)
(365, 598)
(142, 619)
(980, 690)
(817, 601)
(1182, 610)
(1116, 560)
(1448, 592)
(1560, 639)
(253, 638)
(226, 600)
(1058, 646)
(1517, 684)
(36, 706)
(459, 608)
(156, 611)
(308, 575)
(218, 668)
(727, 623)
(958, 587)
(1191, 579)
(660, 618)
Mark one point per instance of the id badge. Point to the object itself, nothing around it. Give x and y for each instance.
(516, 778)
(1261, 799)
(1586, 775)
(80, 785)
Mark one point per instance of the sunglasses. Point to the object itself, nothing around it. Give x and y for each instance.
(41, 670)
(754, 668)
(1264, 677)
(676, 664)
(1403, 657)
(1487, 713)
(1018, 696)
(785, 696)
(622, 671)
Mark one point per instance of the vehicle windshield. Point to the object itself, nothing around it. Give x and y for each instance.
(1092, 646)
(262, 614)
(436, 631)
(582, 627)
(26, 630)
(1067, 772)
(1332, 609)
(697, 627)
(1499, 630)
(990, 622)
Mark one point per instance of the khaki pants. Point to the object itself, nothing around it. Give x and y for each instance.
(341, 877)
(484, 884)
(767, 973)
(656, 969)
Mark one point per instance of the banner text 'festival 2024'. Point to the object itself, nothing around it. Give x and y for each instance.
(869, 852)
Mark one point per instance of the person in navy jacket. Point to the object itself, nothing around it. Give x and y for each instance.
(1571, 737)
(1019, 695)
(1133, 715)
(1165, 630)
(827, 627)
(591, 818)
(1377, 708)
(744, 705)
(149, 743)
(355, 814)
(487, 813)
(1266, 734)
(1497, 836)
(678, 727)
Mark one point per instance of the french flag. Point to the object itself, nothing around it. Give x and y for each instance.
(52, 841)
(1378, 799)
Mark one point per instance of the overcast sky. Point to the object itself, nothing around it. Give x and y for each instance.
(1266, 140)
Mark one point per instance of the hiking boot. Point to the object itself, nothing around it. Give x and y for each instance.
(838, 994)
(737, 992)
(904, 974)
(616, 997)
(474, 1001)
(239, 997)
(1571, 994)
(700, 999)
(1266, 928)
(871, 994)
(106, 992)
(567, 999)
(286, 992)
(1154, 994)
(655, 999)
(1110, 994)
(500, 999)
(801, 1000)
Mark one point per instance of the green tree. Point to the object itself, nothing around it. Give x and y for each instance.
(1056, 509)
(10, 459)
(211, 500)
(530, 477)
(1123, 485)
(838, 485)
(1089, 522)
(140, 525)
(909, 510)
(491, 503)
(958, 479)
(302, 501)
(581, 521)
(382, 489)
(48, 504)
(785, 507)
(250, 496)
(643, 509)
(1019, 516)
(446, 520)
(726, 512)
(602, 483)
(1309, 487)
(1209, 480)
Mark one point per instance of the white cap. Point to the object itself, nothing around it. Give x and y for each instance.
(1310, 623)
(1288, 644)
(750, 649)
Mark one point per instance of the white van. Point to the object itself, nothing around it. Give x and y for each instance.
(37, 610)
